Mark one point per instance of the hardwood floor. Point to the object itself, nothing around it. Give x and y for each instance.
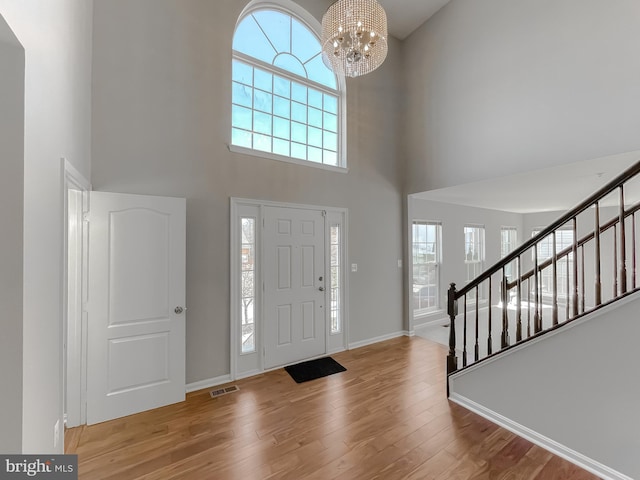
(387, 417)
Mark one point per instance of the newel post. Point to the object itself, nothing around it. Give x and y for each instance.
(452, 310)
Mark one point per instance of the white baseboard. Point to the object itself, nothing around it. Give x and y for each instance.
(210, 382)
(548, 444)
(371, 341)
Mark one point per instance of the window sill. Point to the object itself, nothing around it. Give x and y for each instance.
(281, 158)
(430, 314)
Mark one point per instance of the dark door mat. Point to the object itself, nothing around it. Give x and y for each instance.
(321, 367)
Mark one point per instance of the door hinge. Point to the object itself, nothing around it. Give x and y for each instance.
(324, 213)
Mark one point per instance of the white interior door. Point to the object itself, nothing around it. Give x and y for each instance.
(294, 279)
(136, 297)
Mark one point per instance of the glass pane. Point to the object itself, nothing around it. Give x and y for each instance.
(335, 251)
(315, 117)
(241, 138)
(247, 312)
(282, 87)
(248, 289)
(330, 158)
(298, 132)
(248, 261)
(263, 80)
(242, 94)
(262, 101)
(261, 142)
(241, 117)
(291, 64)
(319, 72)
(315, 137)
(281, 107)
(315, 98)
(315, 155)
(299, 93)
(281, 128)
(242, 72)
(330, 104)
(304, 43)
(298, 151)
(262, 123)
(247, 283)
(248, 38)
(277, 26)
(299, 112)
(281, 147)
(330, 141)
(330, 122)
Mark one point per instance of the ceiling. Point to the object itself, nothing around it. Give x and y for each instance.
(551, 189)
(404, 16)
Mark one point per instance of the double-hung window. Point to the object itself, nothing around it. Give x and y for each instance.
(286, 104)
(564, 239)
(474, 255)
(426, 266)
(508, 241)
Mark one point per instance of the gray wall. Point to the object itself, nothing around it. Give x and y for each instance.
(11, 219)
(56, 37)
(161, 125)
(500, 87)
(577, 388)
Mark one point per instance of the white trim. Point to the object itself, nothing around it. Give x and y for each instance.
(281, 158)
(208, 383)
(382, 338)
(73, 358)
(441, 320)
(293, 9)
(548, 444)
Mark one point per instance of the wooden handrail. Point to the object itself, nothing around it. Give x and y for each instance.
(568, 250)
(574, 212)
(523, 281)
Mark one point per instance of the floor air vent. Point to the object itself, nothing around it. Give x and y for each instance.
(223, 391)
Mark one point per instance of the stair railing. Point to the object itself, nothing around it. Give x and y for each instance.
(542, 285)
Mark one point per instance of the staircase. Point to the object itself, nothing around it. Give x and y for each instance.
(582, 262)
(543, 343)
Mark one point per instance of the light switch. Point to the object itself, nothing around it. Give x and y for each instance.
(354, 267)
(399, 263)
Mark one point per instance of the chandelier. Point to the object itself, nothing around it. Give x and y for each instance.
(354, 37)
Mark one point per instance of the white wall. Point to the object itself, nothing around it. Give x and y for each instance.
(56, 37)
(577, 387)
(11, 219)
(161, 125)
(453, 219)
(498, 87)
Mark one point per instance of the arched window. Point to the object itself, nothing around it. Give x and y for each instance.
(286, 103)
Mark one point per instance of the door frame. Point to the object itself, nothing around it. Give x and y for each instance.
(248, 364)
(74, 327)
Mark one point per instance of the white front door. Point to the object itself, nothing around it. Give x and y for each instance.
(136, 297)
(294, 279)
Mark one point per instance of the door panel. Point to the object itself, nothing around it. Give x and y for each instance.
(136, 344)
(294, 321)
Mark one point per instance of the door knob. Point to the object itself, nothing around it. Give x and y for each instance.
(178, 310)
(321, 289)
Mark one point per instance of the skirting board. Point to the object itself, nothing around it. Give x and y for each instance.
(552, 446)
(211, 382)
(371, 341)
